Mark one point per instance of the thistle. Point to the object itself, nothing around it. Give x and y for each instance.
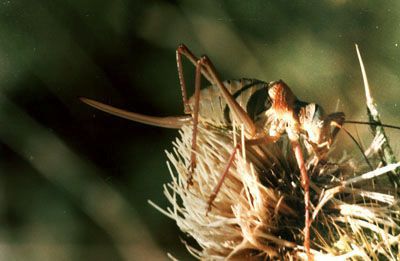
(262, 208)
(259, 210)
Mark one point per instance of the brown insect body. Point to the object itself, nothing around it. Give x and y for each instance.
(282, 114)
(215, 111)
(290, 115)
(266, 111)
(278, 111)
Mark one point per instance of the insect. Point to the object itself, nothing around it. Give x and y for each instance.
(266, 110)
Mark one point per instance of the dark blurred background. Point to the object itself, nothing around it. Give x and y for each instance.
(74, 182)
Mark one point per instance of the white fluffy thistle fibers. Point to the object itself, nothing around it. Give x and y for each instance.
(259, 211)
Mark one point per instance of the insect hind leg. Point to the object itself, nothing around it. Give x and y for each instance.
(205, 67)
(184, 50)
(195, 121)
(238, 112)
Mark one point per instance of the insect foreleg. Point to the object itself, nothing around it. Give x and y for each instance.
(335, 120)
(305, 182)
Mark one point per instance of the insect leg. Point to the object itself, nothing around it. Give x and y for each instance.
(195, 121)
(263, 139)
(222, 178)
(238, 112)
(183, 50)
(335, 120)
(251, 142)
(305, 183)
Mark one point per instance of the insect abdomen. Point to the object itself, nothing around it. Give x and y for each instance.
(251, 94)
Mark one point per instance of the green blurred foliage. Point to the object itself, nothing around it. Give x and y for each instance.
(75, 181)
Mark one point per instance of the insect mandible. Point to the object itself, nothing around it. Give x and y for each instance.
(269, 110)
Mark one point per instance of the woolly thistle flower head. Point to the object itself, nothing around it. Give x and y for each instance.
(259, 210)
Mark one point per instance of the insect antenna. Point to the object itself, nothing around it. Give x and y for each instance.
(374, 124)
(358, 146)
(370, 124)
